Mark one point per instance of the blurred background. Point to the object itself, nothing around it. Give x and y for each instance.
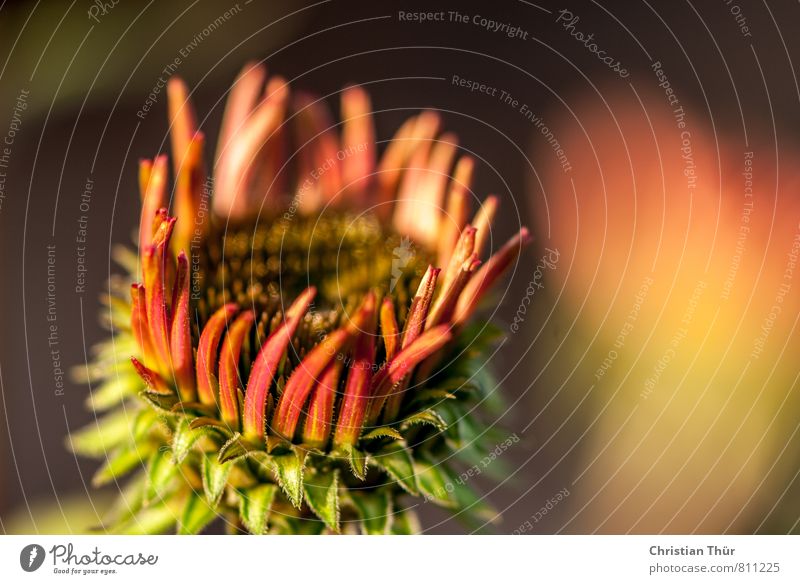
(651, 363)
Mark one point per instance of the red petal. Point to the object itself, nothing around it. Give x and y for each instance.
(445, 304)
(405, 361)
(319, 421)
(303, 378)
(266, 364)
(463, 250)
(152, 379)
(229, 368)
(357, 391)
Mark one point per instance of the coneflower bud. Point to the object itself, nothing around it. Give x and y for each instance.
(326, 413)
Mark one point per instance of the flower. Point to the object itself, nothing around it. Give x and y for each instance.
(302, 337)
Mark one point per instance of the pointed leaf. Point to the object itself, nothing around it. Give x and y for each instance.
(101, 436)
(322, 495)
(434, 483)
(382, 432)
(162, 403)
(121, 463)
(254, 507)
(215, 477)
(397, 461)
(289, 470)
(236, 447)
(356, 459)
(161, 473)
(113, 390)
(429, 417)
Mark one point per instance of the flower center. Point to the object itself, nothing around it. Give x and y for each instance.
(263, 266)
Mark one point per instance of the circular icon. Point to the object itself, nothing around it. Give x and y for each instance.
(31, 557)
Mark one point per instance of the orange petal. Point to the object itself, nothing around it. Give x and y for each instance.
(389, 329)
(444, 307)
(416, 131)
(238, 158)
(358, 143)
(488, 274)
(188, 194)
(404, 362)
(458, 204)
(421, 195)
(139, 326)
(483, 223)
(245, 94)
(154, 271)
(318, 146)
(153, 188)
(229, 381)
(180, 334)
(207, 384)
(415, 322)
(183, 123)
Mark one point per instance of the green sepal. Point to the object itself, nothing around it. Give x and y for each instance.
(254, 507)
(434, 483)
(215, 477)
(161, 473)
(196, 515)
(187, 433)
(382, 432)
(113, 390)
(397, 461)
(163, 403)
(428, 417)
(101, 436)
(144, 423)
(196, 408)
(289, 469)
(436, 395)
(355, 458)
(322, 495)
(237, 447)
(374, 509)
(121, 463)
